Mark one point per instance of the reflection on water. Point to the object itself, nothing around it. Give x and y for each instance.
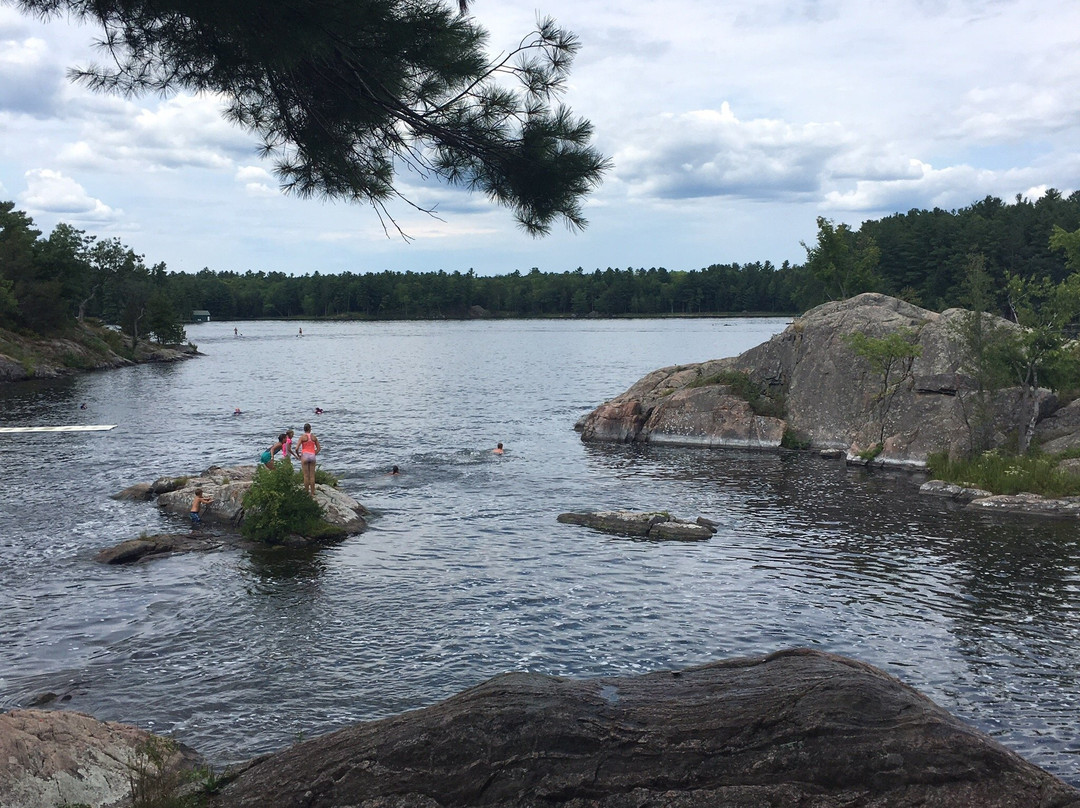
(464, 572)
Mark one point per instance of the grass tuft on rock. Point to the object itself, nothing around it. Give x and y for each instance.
(761, 401)
(1003, 473)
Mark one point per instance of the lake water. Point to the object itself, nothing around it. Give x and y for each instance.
(464, 572)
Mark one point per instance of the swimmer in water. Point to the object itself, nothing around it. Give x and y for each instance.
(498, 449)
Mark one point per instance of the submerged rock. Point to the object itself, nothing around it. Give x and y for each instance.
(135, 493)
(794, 728)
(977, 499)
(1029, 504)
(651, 525)
(957, 493)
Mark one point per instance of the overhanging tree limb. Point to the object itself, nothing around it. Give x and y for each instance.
(346, 93)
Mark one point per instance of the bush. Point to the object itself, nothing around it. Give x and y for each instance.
(277, 505)
(794, 440)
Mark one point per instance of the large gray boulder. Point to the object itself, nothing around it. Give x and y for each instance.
(51, 758)
(795, 728)
(831, 397)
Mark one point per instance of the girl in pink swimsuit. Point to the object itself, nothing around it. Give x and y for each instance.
(309, 448)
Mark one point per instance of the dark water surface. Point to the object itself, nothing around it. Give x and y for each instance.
(464, 572)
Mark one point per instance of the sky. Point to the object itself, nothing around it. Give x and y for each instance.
(731, 126)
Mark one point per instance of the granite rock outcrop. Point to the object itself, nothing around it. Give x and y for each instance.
(828, 397)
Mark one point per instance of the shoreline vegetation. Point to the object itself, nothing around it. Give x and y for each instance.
(920, 256)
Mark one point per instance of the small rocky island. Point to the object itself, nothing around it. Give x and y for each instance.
(224, 515)
(792, 728)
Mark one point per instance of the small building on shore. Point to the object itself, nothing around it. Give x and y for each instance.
(200, 316)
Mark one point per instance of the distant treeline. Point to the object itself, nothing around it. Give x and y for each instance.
(920, 256)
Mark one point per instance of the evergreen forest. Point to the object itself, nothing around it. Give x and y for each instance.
(49, 282)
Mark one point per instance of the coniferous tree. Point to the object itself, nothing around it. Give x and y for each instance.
(345, 93)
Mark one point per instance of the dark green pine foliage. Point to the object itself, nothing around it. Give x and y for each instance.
(345, 94)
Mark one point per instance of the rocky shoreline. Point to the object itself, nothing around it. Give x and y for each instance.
(793, 728)
(83, 347)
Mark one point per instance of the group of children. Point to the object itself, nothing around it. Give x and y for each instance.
(305, 451)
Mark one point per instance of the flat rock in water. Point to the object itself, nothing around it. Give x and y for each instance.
(127, 552)
(648, 524)
(959, 493)
(1029, 504)
(795, 729)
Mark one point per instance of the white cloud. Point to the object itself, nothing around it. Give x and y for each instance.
(948, 188)
(713, 153)
(181, 132)
(30, 82)
(51, 192)
(257, 181)
(1014, 111)
(732, 127)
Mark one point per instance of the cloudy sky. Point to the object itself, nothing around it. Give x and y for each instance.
(732, 126)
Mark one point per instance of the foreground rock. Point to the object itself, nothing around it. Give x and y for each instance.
(60, 758)
(649, 525)
(796, 728)
(816, 393)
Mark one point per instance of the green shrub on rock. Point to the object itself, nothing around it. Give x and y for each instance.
(276, 505)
